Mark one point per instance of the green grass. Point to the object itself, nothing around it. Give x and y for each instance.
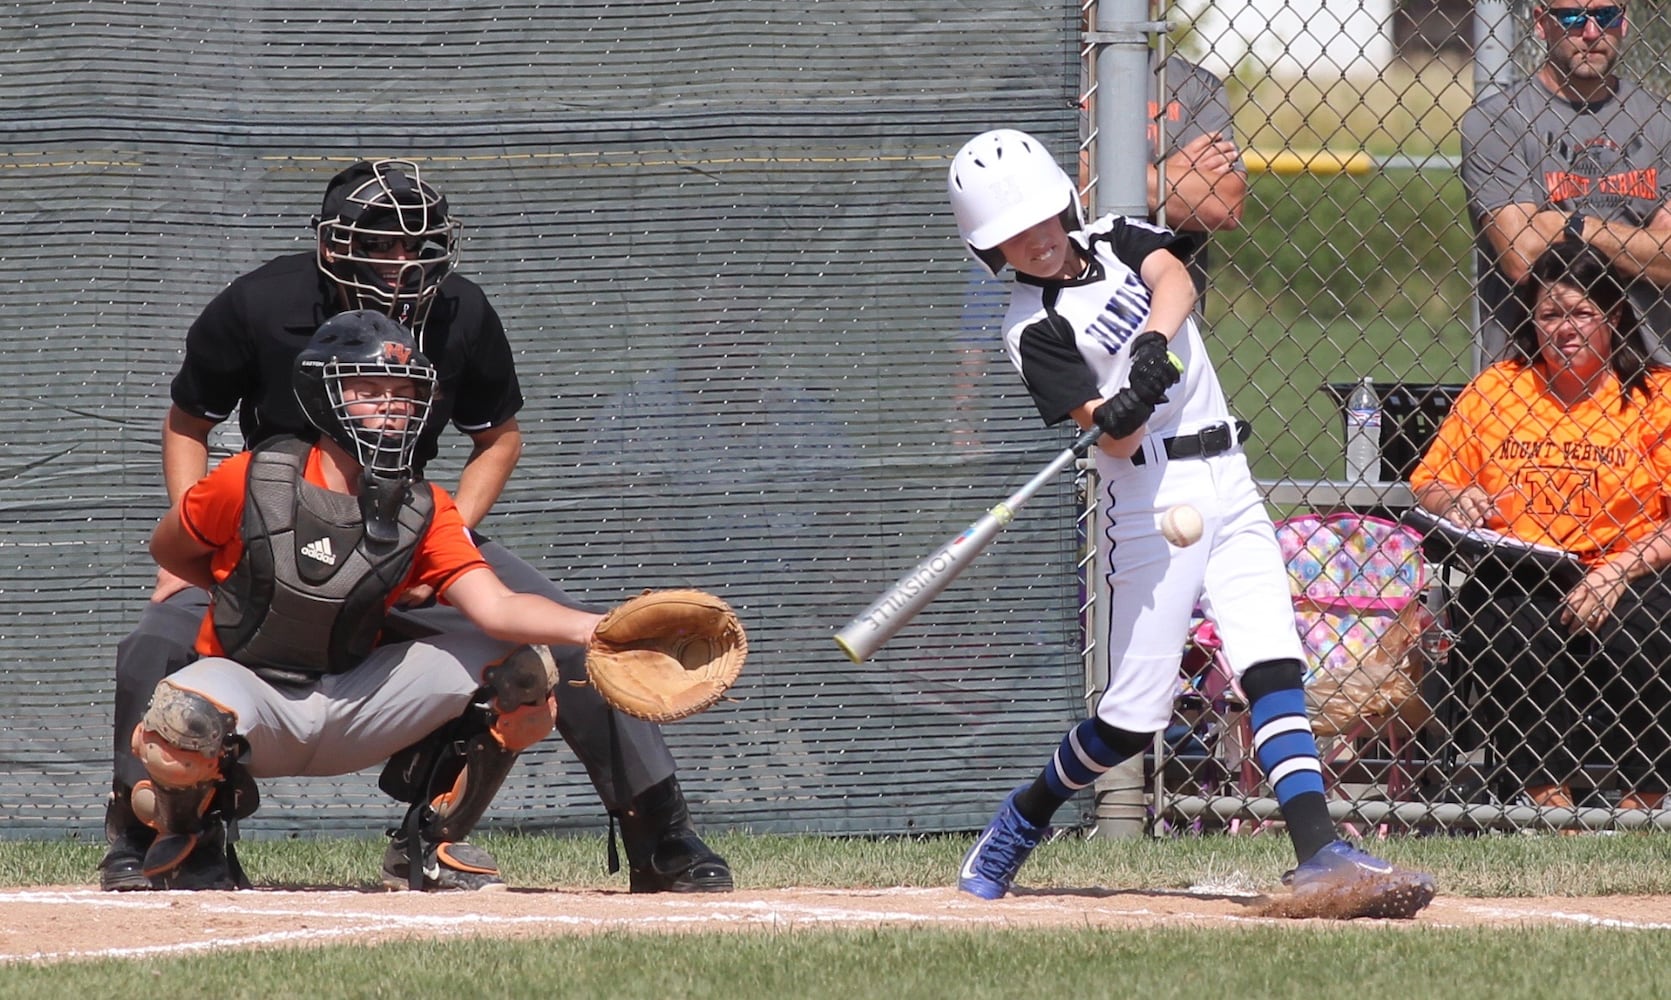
(1300, 961)
(1408, 109)
(1328, 280)
(1494, 865)
(854, 964)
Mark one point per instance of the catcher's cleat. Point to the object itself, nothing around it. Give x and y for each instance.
(123, 866)
(190, 861)
(448, 866)
(989, 869)
(1343, 882)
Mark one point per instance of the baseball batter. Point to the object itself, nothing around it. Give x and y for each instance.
(305, 546)
(1094, 312)
(386, 240)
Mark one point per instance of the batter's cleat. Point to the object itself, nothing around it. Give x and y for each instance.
(1346, 883)
(190, 861)
(448, 866)
(989, 868)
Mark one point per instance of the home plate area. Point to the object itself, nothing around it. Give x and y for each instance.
(43, 925)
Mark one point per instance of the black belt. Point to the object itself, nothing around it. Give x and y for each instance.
(1208, 441)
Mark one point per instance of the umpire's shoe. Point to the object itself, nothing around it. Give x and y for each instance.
(664, 853)
(447, 866)
(123, 866)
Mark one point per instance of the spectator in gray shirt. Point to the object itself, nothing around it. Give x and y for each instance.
(1572, 150)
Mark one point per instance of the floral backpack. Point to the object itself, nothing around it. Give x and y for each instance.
(1358, 583)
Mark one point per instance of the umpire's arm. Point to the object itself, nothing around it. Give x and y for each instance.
(494, 453)
(185, 450)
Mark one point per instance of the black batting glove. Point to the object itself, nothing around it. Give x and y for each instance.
(1122, 414)
(1152, 370)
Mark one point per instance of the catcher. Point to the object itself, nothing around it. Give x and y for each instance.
(304, 544)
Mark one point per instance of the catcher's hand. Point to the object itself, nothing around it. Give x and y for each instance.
(666, 654)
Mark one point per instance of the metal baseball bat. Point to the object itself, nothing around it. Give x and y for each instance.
(865, 634)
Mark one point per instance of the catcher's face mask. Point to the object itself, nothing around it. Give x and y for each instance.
(362, 382)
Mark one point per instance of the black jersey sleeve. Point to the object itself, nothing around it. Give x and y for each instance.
(1053, 369)
(1134, 239)
(488, 393)
(220, 364)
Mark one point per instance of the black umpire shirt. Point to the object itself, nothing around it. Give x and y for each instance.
(241, 349)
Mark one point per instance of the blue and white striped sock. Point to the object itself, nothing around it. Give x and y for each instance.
(1086, 752)
(1287, 753)
(1283, 744)
(1082, 757)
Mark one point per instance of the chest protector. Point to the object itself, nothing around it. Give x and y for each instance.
(308, 595)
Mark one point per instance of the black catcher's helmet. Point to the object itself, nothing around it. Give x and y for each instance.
(386, 239)
(365, 342)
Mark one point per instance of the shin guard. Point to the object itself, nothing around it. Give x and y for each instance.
(452, 776)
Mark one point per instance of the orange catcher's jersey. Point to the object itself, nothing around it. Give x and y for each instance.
(1589, 478)
(212, 512)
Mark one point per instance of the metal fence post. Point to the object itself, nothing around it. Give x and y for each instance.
(1118, 44)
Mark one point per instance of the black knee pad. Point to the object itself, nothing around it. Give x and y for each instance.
(449, 778)
(1272, 675)
(1123, 741)
(434, 760)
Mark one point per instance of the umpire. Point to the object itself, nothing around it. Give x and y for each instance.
(386, 241)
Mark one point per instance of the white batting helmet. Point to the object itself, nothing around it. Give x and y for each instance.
(1004, 182)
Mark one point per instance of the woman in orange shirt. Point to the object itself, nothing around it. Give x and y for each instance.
(1563, 444)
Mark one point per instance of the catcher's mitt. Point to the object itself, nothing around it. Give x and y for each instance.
(666, 654)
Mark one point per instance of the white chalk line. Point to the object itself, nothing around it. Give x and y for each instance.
(364, 923)
(674, 913)
(1562, 916)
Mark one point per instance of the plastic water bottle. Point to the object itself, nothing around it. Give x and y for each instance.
(1363, 433)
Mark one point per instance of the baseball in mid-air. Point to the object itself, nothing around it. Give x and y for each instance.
(1181, 525)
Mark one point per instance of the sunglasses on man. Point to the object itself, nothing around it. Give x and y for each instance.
(1573, 18)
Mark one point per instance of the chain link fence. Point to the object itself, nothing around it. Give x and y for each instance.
(1356, 260)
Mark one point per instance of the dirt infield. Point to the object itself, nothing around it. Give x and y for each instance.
(54, 924)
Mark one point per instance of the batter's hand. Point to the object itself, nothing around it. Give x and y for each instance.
(167, 586)
(1152, 370)
(1122, 414)
(1588, 605)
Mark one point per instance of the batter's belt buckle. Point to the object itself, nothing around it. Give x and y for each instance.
(1216, 440)
(1208, 441)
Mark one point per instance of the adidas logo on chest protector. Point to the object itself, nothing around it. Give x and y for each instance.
(320, 550)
